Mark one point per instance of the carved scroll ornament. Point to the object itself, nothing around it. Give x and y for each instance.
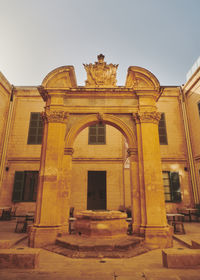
(147, 117)
(101, 74)
(55, 116)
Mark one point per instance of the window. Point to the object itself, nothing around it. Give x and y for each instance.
(25, 186)
(198, 104)
(171, 186)
(162, 130)
(97, 134)
(35, 129)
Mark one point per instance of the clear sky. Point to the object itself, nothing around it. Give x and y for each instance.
(36, 36)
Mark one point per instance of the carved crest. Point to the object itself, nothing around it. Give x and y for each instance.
(101, 74)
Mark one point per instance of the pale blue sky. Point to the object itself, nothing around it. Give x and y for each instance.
(40, 35)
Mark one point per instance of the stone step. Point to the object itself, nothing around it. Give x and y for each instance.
(81, 247)
(181, 258)
(21, 258)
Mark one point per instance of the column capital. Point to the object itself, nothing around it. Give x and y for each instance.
(147, 117)
(55, 116)
(68, 151)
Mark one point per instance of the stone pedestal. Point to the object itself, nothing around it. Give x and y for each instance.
(158, 237)
(103, 224)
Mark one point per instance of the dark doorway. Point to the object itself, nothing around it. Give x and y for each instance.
(96, 196)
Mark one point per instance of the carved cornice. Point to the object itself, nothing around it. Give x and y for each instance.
(55, 116)
(68, 151)
(147, 117)
(43, 93)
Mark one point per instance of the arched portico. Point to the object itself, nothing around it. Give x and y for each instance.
(130, 109)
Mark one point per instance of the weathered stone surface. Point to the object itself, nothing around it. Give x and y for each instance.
(101, 223)
(180, 258)
(19, 258)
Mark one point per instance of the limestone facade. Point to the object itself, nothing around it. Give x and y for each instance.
(132, 156)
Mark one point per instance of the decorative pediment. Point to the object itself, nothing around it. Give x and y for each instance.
(101, 74)
(139, 78)
(62, 77)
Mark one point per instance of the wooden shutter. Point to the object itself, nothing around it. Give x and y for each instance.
(162, 130)
(18, 186)
(30, 185)
(35, 129)
(97, 134)
(175, 186)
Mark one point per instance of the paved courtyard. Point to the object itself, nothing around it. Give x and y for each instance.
(54, 266)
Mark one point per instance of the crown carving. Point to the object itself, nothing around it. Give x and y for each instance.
(101, 74)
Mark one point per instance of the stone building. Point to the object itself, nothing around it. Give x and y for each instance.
(104, 146)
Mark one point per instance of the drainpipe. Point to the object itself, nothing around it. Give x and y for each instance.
(189, 149)
(6, 138)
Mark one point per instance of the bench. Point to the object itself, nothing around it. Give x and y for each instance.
(19, 258)
(180, 258)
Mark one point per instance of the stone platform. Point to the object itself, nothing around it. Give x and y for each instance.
(76, 246)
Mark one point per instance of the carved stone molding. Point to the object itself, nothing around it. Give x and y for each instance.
(55, 116)
(101, 74)
(132, 153)
(147, 117)
(100, 117)
(68, 151)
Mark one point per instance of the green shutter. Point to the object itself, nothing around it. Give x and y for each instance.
(175, 187)
(18, 186)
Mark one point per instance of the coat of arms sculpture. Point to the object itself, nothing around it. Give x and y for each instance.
(101, 74)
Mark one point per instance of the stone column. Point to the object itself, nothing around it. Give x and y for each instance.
(155, 228)
(66, 189)
(48, 211)
(135, 190)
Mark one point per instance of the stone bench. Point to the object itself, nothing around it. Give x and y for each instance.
(180, 258)
(21, 258)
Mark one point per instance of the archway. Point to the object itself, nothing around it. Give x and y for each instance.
(132, 110)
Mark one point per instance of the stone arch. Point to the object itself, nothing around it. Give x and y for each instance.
(104, 118)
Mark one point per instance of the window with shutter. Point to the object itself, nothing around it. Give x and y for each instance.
(35, 129)
(162, 130)
(97, 134)
(171, 185)
(18, 186)
(25, 186)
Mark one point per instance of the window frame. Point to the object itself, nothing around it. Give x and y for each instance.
(38, 135)
(96, 127)
(164, 127)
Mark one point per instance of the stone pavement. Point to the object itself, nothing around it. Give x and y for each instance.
(54, 266)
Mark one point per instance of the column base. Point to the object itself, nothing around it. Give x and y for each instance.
(158, 237)
(41, 236)
(136, 228)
